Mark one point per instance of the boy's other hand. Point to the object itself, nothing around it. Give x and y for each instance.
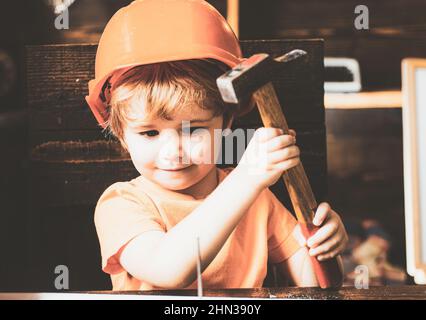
(331, 238)
(268, 154)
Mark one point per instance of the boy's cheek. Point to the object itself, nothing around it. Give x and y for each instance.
(199, 154)
(202, 151)
(143, 156)
(141, 162)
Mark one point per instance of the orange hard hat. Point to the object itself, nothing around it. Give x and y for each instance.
(152, 31)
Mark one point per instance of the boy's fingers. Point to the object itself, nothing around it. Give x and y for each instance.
(322, 235)
(326, 247)
(264, 134)
(283, 154)
(321, 214)
(292, 132)
(332, 254)
(279, 142)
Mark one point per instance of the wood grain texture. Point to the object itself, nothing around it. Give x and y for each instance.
(57, 77)
(408, 292)
(345, 293)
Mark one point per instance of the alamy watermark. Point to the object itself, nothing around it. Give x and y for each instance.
(204, 146)
(62, 21)
(60, 7)
(362, 277)
(63, 277)
(362, 20)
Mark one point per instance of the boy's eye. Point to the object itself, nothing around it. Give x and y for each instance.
(153, 133)
(192, 129)
(150, 133)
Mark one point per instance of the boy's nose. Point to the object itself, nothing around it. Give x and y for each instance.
(172, 152)
(171, 149)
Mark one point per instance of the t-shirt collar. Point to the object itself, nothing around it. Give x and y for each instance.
(149, 185)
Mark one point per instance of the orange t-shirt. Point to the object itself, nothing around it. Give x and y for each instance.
(127, 209)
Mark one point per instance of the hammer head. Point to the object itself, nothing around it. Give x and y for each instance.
(251, 74)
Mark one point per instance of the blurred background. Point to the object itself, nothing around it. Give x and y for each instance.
(364, 128)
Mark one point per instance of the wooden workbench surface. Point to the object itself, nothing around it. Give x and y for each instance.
(345, 293)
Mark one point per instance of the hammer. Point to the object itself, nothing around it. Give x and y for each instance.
(254, 77)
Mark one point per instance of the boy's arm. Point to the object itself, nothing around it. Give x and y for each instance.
(329, 241)
(298, 269)
(168, 260)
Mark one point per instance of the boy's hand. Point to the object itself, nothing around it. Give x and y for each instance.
(331, 238)
(268, 154)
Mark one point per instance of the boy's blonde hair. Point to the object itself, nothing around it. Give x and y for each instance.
(164, 88)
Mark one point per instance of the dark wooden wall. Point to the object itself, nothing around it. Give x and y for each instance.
(397, 30)
(21, 22)
(365, 166)
(72, 163)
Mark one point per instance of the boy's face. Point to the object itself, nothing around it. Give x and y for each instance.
(176, 153)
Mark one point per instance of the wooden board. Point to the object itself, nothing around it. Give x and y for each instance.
(345, 293)
(363, 100)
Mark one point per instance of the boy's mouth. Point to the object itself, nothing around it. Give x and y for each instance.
(176, 169)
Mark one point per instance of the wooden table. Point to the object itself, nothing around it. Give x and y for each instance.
(412, 292)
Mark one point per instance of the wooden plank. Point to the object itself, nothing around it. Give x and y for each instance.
(65, 184)
(57, 77)
(69, 172)
(364, 100)
(345, 293)
(406, 292)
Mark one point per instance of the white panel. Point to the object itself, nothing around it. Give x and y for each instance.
(421, 139)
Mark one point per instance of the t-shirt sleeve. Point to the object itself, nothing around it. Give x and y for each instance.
(120, 216)
(281, 242)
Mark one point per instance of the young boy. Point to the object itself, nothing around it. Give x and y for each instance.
(155, 90)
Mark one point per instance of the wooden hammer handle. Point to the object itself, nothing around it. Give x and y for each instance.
(328, 272)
